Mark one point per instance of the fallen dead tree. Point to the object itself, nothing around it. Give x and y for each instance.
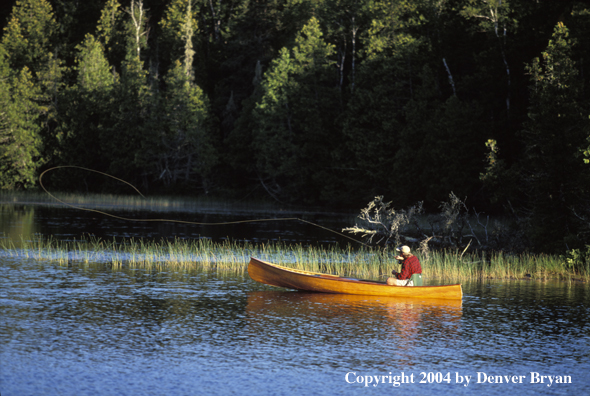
(455, 226)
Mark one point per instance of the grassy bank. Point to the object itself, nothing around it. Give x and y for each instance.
(227, 256)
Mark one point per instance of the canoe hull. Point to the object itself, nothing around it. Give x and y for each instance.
(275, 275)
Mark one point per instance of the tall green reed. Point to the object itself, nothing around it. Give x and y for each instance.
(228, 256)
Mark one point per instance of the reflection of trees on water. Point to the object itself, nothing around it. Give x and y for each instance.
(17, 222)
(63, 222)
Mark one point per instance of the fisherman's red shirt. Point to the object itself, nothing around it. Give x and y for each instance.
(410, 266)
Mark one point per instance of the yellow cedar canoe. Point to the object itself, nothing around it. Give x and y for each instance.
(276, 275)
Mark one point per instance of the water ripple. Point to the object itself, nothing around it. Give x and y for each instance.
(134, 331)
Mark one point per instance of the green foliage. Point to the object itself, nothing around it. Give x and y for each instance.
(440, 145)
(93, 70)
(392, 25)
(110, 31)
(556, 131)
(320, 102)
(29, 34)
(182, 152)
(587, 151)
(187, 152)
(52, 81)
(491, 173)
(29, 39)
(20, 142)
(136, 30)
(273, 135)
(375, 117)
(289, 128)
(491, 15)
(178, 17)
(85, 116)
(577, 260)
(129, 122)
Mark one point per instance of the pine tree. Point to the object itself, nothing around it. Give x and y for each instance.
(180, 151)
(110, 31)
(187, 153)
(93, 70)
(85, 116)
(494, 16)
(133, 98)
(20, 142)
(172, 40)
(376, 112)
(294, 117)
(52, 83)
(553, 175)
(28, 37)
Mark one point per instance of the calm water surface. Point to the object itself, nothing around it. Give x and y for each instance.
(20, 220)
(94, 330)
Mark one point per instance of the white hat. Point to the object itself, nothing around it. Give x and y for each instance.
(403, 249)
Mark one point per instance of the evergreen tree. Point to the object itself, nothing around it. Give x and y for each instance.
(385, 82)
(51, 80)
(111, 32)
(28, 37)
(133, 99)
(294, 117)
(555, 179)
(172, 40)
(29, 40)
(85, 116)
(183, 148)
(20, 142)
(440, 151)
(76, 20)
(318, 101)
(250, 33)
(93, 70)
(187, 153)
(493, 16)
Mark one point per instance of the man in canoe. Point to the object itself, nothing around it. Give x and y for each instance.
(410, 265)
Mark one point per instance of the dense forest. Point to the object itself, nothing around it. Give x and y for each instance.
(315, 102)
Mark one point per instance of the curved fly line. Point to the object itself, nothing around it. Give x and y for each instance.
(168, 220)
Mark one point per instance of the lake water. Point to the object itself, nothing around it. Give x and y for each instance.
(94, 330)
(17, 221)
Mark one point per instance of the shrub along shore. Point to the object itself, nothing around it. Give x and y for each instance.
(179, 254)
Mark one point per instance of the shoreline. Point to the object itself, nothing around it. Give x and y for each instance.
(366, 262)
(234, 257)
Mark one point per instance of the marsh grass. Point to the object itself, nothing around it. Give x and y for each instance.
(364, 263)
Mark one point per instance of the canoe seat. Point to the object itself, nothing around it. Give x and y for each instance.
(417, 279)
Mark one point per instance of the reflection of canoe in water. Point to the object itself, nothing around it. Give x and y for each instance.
(353, 316)
(276, 275)
(264, 300)
(378, 330)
